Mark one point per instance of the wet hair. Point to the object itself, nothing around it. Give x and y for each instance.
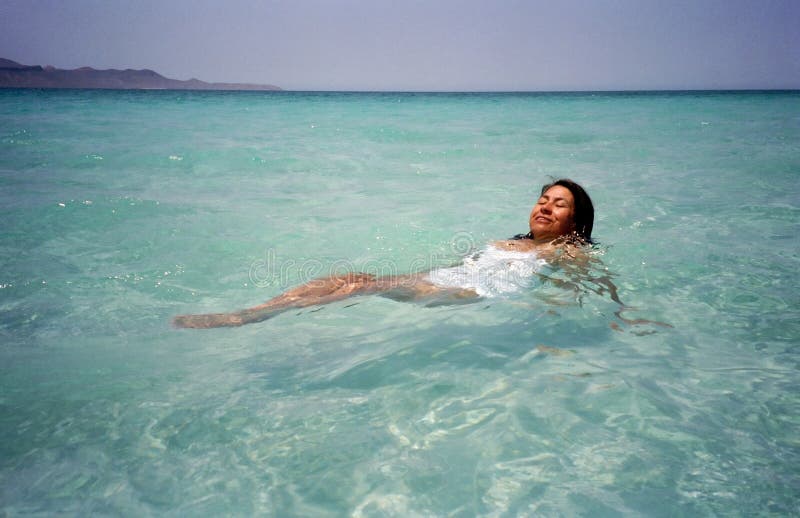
(583, 214)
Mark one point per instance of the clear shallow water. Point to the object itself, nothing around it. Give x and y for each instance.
(122, 209)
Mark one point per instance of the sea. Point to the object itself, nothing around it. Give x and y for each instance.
(659, 375)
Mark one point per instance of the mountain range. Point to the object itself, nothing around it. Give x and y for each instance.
(16, 75)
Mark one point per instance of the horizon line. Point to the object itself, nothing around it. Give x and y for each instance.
(391, 91)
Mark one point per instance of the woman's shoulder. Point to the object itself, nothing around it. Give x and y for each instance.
(556, 250)
(515, 245)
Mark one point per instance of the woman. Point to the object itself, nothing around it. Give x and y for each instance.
(560, 223)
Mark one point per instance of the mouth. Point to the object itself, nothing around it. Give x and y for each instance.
(542, 219)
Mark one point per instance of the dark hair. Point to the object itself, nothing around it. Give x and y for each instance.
(583, 215)
(584, 209)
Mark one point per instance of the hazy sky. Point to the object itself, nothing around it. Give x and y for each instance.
(420, 45)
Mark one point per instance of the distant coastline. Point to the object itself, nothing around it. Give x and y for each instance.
(16, 75)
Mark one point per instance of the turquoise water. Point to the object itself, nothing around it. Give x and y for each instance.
(122, 209)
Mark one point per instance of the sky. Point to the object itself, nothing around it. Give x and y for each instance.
(434, 45)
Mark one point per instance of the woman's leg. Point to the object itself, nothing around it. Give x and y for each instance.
(318, 291)
(417, 288)
(406, 288)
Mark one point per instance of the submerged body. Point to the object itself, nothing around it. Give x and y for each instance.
(560, 223)
(502, 267)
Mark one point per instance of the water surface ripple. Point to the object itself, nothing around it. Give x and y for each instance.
(119, 210)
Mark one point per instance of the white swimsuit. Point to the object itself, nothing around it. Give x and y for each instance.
(491, 272)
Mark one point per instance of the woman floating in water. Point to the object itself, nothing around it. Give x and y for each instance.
(560, 225)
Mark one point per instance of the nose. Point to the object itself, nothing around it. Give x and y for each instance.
(546, 208)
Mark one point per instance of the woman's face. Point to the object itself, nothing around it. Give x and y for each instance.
(553, 215)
